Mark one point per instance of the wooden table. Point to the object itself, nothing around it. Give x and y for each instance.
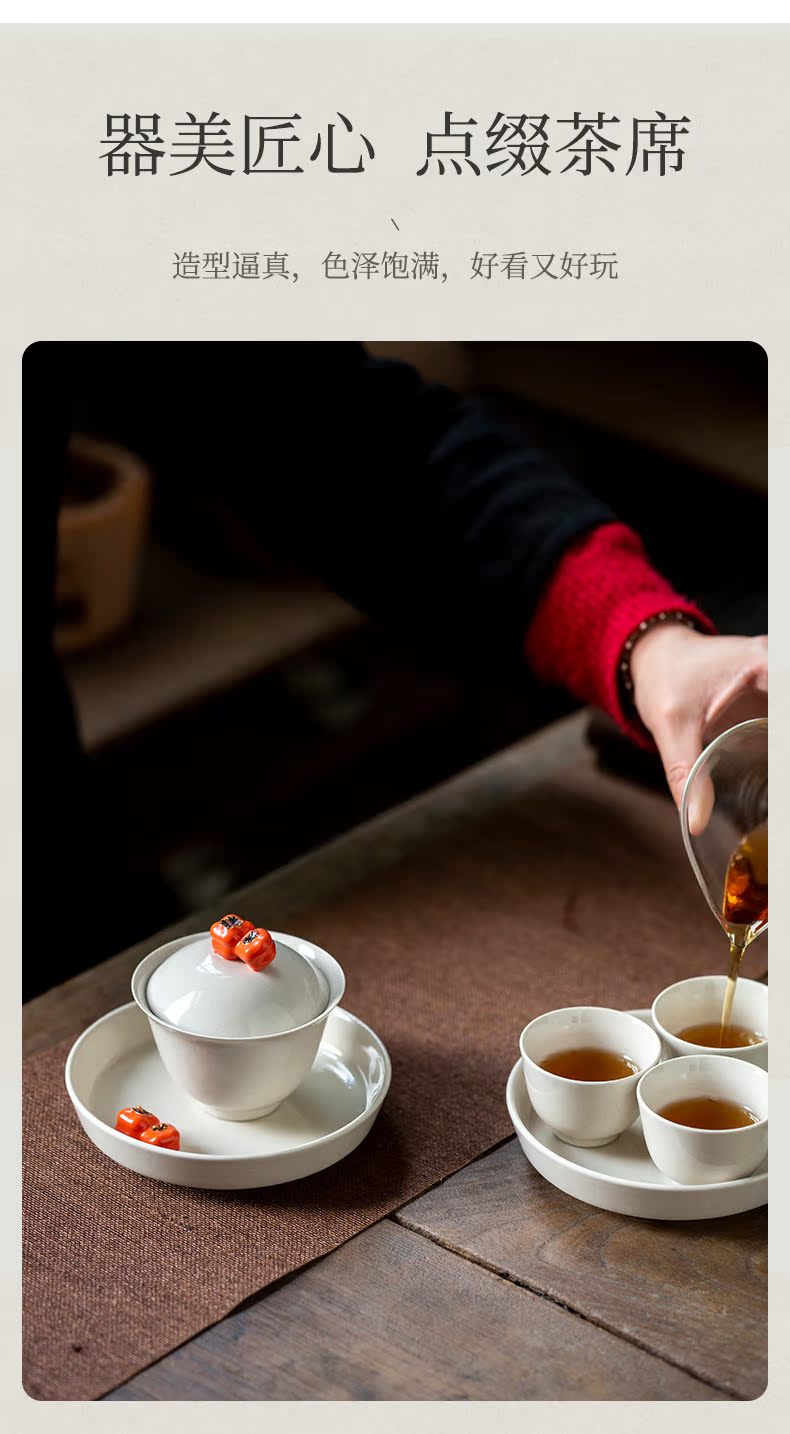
(493, 1285)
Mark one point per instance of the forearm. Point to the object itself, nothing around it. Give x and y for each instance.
(602, 589)
(515, 547)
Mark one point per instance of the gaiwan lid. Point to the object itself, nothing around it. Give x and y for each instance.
(197, 990)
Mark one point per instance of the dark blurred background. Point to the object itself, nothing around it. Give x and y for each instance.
(318, 719)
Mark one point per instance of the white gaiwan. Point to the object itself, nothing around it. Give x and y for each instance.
(238, 1041)
(197, 990)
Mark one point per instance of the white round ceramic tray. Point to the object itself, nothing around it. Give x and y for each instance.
(115, 1063)
(621, 1176)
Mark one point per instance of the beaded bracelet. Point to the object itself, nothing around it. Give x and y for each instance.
(670, 615)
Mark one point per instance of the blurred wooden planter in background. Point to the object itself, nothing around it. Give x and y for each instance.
(102, 529)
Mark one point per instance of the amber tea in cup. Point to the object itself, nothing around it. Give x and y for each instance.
(718, 1037)
(589, 1063)
(704, 1112)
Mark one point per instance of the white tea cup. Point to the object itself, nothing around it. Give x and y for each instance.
(691, 1156)
(586, 1112)
(699, 1000)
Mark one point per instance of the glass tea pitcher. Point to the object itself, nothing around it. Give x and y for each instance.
(724, 820)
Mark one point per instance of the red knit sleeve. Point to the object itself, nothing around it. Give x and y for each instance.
(601, 589)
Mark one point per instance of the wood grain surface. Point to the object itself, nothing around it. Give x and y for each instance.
(693, 1292)
(393, 1316)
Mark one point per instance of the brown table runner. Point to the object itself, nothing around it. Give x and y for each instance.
(579, 894)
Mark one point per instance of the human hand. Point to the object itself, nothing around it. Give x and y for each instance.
(688, 687)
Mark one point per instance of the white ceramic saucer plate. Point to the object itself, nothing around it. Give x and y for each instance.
(621, 1176)
(115, 1063)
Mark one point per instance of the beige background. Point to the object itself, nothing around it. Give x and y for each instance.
(702, 255)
